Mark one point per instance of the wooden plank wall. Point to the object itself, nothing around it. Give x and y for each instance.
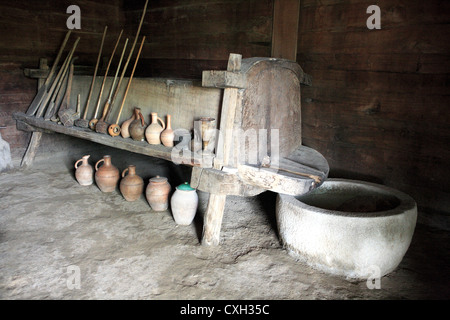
(185, 37)
(378, 107)
(35, 29)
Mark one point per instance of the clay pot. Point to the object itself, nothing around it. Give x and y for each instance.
(107, 176)
(153, 131)
(168, 134)
(124, 129)
(157, 193)
(131, 186)
(84, 173)
(137, 126)
(184, 203)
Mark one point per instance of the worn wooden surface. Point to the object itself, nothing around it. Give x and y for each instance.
(272, 101)
(142, 147)
(184, 100)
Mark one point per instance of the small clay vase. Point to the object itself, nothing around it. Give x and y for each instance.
(84, 173)
(131, 186)
(157, 193)
(137, 126)
(107, 175)
(124, 129)
(168, 134)
(184, 203)
(153, 131)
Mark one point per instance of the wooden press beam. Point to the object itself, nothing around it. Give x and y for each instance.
(285, 29)
(216, 204)
(36, 137)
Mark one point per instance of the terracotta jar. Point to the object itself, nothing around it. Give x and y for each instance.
(107, 175)
(124, 129)
(131, 186)
(168, 134)
(84, 173)
(184, 203)
(157, 193)
(137, 126)
(153, 131)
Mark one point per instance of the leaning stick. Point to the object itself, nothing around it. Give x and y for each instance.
(101, 124)
(52, 88)
(114, 129)
(57, 94)
(94, 120)
(128, 60)
(83, 122)
(43, 89)
(65, 112)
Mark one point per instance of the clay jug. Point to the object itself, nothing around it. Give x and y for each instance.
(153, 131)
(106, 176)
(157, 193)
(137, 126)
(168, 134)
(84, 173)
(131, 186)
(125, 128)
(184, 203)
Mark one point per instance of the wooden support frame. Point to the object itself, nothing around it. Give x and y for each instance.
(36, 137)
(216, 204)
(252, 94)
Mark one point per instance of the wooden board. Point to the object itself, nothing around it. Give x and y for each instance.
(141, 147)
(184, 100)
(285, 29)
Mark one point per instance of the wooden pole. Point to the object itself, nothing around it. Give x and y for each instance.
(36, 137)
(212, 222)
(285, 29)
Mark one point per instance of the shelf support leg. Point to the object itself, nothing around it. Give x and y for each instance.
(36, 137)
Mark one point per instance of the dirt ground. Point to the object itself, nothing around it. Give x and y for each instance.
(60, 240)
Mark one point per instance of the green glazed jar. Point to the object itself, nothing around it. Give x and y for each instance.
(184, 203)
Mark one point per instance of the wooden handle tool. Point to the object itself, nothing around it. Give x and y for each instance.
(114, 129)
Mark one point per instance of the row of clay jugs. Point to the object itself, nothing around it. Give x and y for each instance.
(131, 186)
(184, 204)
(137, 126)
(157, 193)
(107, 175)
(84, 173)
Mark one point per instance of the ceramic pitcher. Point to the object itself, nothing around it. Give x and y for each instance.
(131, 186)
(168, 134)
(125, 127)
(107, 175)
(137, 126)
(84, 173)
(157, 193)
(153, 131)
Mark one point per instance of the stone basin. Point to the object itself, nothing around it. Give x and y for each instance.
(349, 228)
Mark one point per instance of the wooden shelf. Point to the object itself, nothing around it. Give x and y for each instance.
(31, 123)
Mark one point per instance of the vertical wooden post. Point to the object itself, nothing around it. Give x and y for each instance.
(285, 29)
(36, 137)
(212, 222)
